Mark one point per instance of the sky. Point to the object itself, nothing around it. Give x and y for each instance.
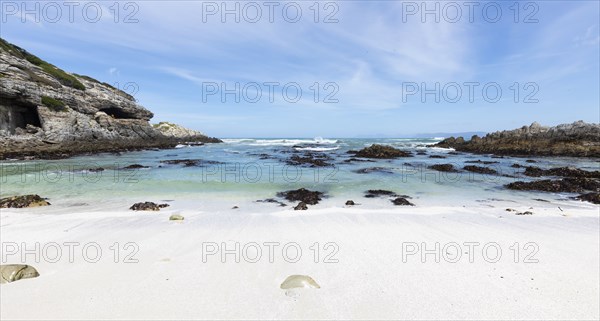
(329, 68)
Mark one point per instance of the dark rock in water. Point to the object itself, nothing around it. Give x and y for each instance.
(421, 153)
(135, 166)
(443, 167)
(372, 193)
(350, 203)
(541, 200)
(23, 201)
(189, 162)
(357, 160)
(570, 185)
(516, 166)
(374, 170)
(95, 170)
(303, 195)
(301, 207)
(436, 156)
(578, 139)
(479, 161)
(589, 197)
(479, 169)
(147, 206)
(560, 171)
(402, 201)
(272, 200)
(531, 161)
(309, 159)
(454, 153)
(381, 151)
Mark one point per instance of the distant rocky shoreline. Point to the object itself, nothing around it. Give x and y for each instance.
(46, 112)
(578, 139)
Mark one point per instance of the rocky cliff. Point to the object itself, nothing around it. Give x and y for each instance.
(578, 139)
(47, 112)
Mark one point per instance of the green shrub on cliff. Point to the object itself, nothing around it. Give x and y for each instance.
(60, 75)
(54, 104)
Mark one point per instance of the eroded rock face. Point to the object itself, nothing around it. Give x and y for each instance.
(302, 195)
(23, 201)
(45, 112)
(381, 151)
(14, 272)
(147, 206)
(578, 139)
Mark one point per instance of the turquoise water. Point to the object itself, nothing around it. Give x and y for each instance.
(241, 171)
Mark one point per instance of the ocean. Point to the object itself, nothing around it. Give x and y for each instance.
(239, 172)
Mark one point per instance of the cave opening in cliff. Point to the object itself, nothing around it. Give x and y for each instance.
(117, 113)
(17, 116)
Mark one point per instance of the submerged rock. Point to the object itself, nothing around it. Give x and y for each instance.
(135, 166)
(310, 159)
(299, 281)
(301, 207)
(437, 156)
(381, 151)
(189, 162)
(372, 193)
(147, 206)
(374, 170)
(272, 200)
(303, 195)
(480, 169)
(14, 272)
(176, 217)
(443, 167)
(350, 203)
(479, 161)
(23, 201)
(589, 197)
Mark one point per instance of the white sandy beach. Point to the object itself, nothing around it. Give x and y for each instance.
(369, 281)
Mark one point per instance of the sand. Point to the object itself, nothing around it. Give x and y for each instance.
(373, 278)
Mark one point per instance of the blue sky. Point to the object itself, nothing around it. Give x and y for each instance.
(369, 52)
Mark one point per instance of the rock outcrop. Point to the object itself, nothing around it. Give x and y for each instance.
(23, 201)
(578, 139)
(47, 112)
(380, 151)
(147, 206)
